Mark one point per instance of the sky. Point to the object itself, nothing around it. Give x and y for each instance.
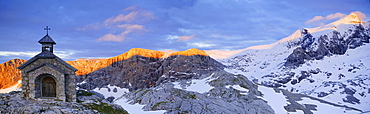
(107, 28)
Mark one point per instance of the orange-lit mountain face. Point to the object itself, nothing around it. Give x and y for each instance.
(9, 74)
(85, 66)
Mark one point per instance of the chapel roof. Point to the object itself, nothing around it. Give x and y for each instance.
(46, 55)
(46, 39)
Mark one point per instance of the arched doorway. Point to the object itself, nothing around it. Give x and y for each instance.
(48, 87)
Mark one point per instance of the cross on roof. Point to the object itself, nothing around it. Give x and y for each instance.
(47, 29)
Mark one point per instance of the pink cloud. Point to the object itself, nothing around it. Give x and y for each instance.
(316, 18)
(122, 23)
(132, 27)
(186, 38)
(360, 14)
(121, 17)
(130, 8)
(111, 37)
(132, 16)
(328, 17)
(120, 37)
(335, 16)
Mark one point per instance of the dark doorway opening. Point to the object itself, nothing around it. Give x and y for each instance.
(48, 87)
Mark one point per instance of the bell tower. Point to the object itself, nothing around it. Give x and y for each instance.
(47, 42)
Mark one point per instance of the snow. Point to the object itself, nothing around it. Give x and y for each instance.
(106, 93)
(219, 54)
(131, 108)
(277, 101)
(200, 86)
(136, 108)
(13, 88)
(323, 108)
(238, 87)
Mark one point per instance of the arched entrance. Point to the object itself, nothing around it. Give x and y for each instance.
(48, 87)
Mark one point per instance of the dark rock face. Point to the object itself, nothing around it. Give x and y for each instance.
(223, 98)
(326, 45)
(307, 41)
(141, 72)
(297, 57)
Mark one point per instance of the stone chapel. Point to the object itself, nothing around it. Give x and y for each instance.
(46, 76)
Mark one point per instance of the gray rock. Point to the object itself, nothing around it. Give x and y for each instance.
(12, 103)
(220, 99)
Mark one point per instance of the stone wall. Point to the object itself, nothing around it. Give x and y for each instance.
(38, 69)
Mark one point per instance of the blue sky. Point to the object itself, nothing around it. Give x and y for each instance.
(107, 28)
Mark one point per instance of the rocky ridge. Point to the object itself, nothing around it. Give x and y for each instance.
(10, 75)
(140, 72)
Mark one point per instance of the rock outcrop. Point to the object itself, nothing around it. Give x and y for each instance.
(13, 103)
(333, 43)
(222, 98)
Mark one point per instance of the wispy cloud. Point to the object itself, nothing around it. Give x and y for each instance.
(132, 27)
(200, 45)
(111, 37)
(124, 23)
(120, 37)
(121, 17)
(12, 53)
(328, 17)
(29, 54)
(186, 38)
(360, 14)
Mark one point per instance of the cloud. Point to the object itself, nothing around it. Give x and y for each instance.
(360, 14)
(201, 45)
(111, 37)
(121, 17)
(29, 54)
(131, 8)
(130, 17)
(11, 53)
(328, 17)
(186, 38)
(130, 27)
(122, 23)
(335, 16)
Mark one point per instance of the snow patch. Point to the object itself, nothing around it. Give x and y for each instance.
(200, 86)
(276, 100)
(136, 108)
(107, 93)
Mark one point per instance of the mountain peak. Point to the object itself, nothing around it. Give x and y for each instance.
(86, 66)
(190, 52)
(352, 18)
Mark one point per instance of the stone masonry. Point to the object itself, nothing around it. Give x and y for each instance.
(46, 76)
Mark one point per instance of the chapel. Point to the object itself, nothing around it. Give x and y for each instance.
(46, 76)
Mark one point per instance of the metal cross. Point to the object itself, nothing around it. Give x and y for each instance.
(47, 29)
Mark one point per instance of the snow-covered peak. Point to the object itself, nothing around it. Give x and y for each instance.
(349, 19)
(339, 25)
